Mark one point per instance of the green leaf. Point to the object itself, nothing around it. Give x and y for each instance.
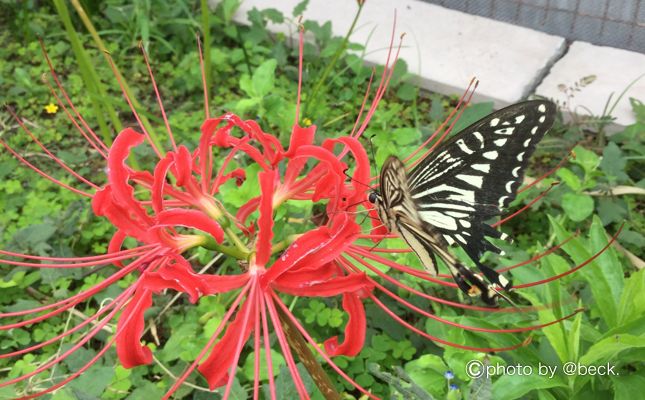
(516, 386)
(93, 381)
(428, 372)
(632, 300)
(587, 159)
(628, 387)
(405, 136)
(300, 8)
(609, 348)
(264, 78)
(146, 390)
(407, 92)
(639, 109)
(613, 162)
(570, 179)
(277, 360)
(273, 15)
(577, 206)
(602, 278)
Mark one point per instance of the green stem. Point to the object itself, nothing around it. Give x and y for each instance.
(320, 83)
(206, 33)
(234, 252)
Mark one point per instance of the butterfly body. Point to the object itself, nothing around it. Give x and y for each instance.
(448, 197)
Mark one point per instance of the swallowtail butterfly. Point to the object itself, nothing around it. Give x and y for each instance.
(448, 196)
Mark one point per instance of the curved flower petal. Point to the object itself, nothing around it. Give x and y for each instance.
(265, 222)
(129, 329)
(315, 248)
(160, 174)
(119, 173)
(354, 330)
(192, 219)
(357, 282)
(215, 367)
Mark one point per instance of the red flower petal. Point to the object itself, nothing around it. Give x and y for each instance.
(119, 173)
(215, 368)
(315, 248)
(333, 287)
(161, 171)
(299, 137)
(115, 245)
(354, 330)
(129, 329)
(192, 219)
(265, 222)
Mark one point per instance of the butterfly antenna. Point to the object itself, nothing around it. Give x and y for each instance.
(372, 153)
(355, 180)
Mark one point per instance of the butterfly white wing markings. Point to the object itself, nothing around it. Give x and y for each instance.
(476, 173)
(398, 212)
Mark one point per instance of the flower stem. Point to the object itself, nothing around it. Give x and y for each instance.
(206, 33)
(299, 346)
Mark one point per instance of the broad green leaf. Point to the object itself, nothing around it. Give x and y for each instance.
(601, 278)
(428, 372)
(628, 387)
(300, 8)
(555, 334)
(609, 348)
(516, 386)
(587, 159)
(577, 206)
(632, 300)
(570, 179)
(264, 78)
(277, 361)
(608, 262)
(613, 162)
(93, 381)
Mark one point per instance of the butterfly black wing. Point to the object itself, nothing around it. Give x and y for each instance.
(475, 174)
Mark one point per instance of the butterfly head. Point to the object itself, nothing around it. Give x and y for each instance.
(374, 197)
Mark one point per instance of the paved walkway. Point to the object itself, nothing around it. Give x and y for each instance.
(446, 48)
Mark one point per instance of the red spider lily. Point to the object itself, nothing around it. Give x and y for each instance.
(173, 208)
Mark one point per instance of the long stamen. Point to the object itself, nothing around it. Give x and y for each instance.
(316, 347)
(538, 256)
(43, 174)
(132, 108)
(572, 270)
(286, 351)
(526, 207)
(442, 341)
(433, 298)
(158, 96)
(69, 101)
(210, 342)
(204, 82)
(462, 103)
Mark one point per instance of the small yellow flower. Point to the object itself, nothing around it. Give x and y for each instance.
(51, 108)
(307, 122)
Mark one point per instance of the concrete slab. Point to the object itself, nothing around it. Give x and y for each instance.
(444, 48)
(615, 70)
